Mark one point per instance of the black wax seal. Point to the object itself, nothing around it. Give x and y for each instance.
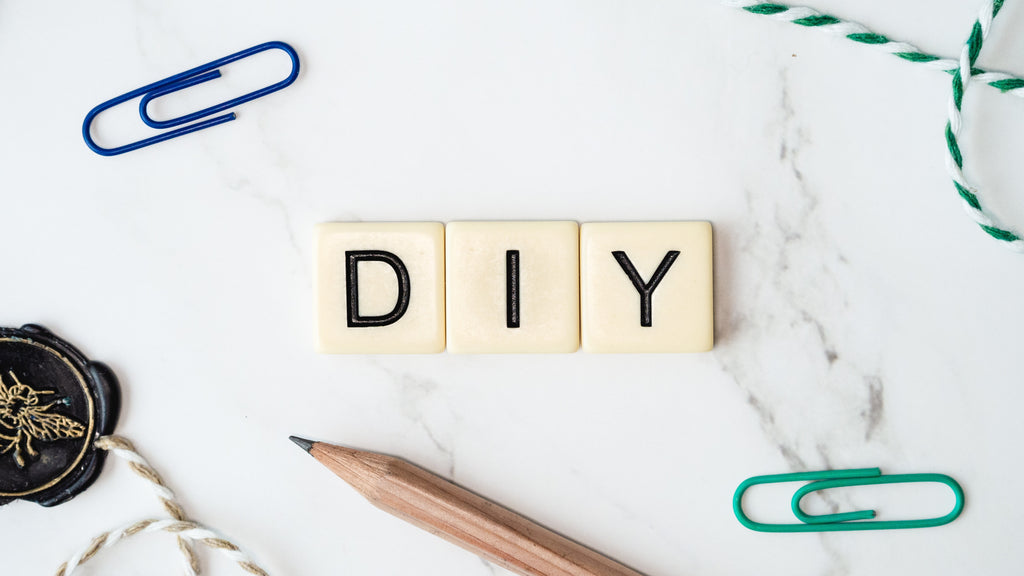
(54, 404)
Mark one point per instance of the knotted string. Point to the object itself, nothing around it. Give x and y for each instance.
(963, 72)
(187, 531)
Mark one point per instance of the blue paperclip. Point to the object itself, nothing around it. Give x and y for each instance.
(181, 81)
(844, 520)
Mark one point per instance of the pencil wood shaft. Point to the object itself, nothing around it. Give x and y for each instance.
(463, 518)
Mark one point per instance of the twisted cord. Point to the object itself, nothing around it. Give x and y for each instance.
(187, 531)
(962, 70)
(124, 449)
(810, 18)
(954, 159)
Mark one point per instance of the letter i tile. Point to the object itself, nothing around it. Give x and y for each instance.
(646, 287)
(380, 288)
(512, 287)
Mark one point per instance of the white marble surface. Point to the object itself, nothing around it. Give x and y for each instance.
(862, 320)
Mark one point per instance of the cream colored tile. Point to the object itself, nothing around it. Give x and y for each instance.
(399, 272)
(481, 258)
(680, 317)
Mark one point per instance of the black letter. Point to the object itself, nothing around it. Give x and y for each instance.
(645, 290)
(512, 288)
(352, 259)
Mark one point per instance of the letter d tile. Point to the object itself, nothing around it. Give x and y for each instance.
(380, 288)
(646, 287)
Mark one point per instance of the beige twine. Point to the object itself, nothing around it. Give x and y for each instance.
(187, 531)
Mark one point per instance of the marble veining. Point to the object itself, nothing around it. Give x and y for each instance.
(417, 395)
(797, 294)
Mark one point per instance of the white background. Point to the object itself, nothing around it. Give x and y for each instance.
(861, 318)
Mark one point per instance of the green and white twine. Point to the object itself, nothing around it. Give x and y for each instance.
(963, 72)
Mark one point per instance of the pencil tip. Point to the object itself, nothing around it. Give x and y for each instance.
(302, 443)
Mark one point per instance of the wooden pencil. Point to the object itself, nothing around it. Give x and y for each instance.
(460, 516)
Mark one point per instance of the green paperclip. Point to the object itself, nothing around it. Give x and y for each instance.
(843, 520)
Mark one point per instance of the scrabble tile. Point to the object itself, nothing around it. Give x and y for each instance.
(670, 262)
(380, 288)
(512, 287)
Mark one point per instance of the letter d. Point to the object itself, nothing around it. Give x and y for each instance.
(352, 260)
